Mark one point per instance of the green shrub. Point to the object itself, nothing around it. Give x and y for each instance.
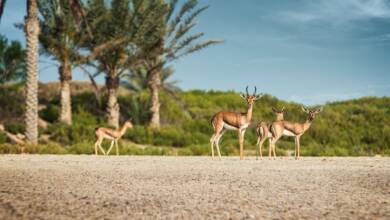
(343, 128)
(14, 128)
(82, 148)
(52, 148)
(199, 150)
(9, 149)
(3, 138)
(60, 133)
(50, 113)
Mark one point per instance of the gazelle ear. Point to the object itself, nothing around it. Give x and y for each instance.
(274, 109)
(320, 109)
(305, 109)
(243, 95)
(259, 96)
(284, 108)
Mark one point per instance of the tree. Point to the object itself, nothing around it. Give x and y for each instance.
(119, 22)
(12, 61)
(59, 39)
(173, 43)
(137, 80)
(32, 31)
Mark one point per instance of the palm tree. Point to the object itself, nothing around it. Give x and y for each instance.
(112, 23)
(173, 43)
(138, 81)
(59, 38)
(12, 61)
(32, 31)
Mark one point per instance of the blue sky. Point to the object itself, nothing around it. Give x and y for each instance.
(305, 51)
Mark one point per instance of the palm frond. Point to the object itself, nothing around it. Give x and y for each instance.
(2, 6)
(198, 47)
(171, 9)
(187, 41)
(79, 14)
(186, 26)
(188, 6)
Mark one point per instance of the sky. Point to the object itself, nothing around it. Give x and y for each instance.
(310, 52)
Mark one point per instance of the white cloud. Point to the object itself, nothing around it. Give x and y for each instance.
(338, 12)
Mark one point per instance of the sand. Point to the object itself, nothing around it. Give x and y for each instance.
(138, 187)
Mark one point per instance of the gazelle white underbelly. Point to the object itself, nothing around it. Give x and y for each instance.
(244, 126)
(229, 127)
(288, 133)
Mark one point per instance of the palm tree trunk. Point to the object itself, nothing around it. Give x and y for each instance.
(31, 99)
(112, 84)
(154, 86)
(66, 102)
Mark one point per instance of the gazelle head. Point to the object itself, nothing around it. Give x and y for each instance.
(279, 113)
(311, 112)
(128, 124)
(250, 99)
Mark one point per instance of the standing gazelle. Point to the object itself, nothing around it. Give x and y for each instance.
(111, 134)
(292, 129)
(223, 121)
(263, 130)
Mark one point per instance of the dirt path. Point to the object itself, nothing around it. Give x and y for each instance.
(89, 187)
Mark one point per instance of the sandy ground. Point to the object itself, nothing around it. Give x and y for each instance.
(130, 187)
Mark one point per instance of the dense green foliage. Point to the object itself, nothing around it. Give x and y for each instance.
(12, 60)
(355, 127)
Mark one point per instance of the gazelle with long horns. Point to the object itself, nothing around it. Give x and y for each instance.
(263, 130)
(224, 120)
(292, 129)
(111, 134)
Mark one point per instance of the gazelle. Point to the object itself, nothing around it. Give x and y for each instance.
(111, 134)
(263, 130)
(224, 120)
(294, 129)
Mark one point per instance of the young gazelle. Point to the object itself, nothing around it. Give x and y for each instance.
(223, 121)
(294, 129)
(263, 130)
(111, 134)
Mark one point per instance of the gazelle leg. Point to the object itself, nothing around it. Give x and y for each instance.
(212, 140)
(101, 148)
(109, 149)
(117, 148)
(273, 146)
(271, 140)
(257, 144)
(260, 147)
(273, 149)
(96, 147)
(218, 150)
(217, 143)
(295, 151)
(298, 145)
(241, 140)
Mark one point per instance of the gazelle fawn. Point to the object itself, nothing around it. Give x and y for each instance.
(224, 120)
(292, 129)
(263, 130)
(111, 134)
